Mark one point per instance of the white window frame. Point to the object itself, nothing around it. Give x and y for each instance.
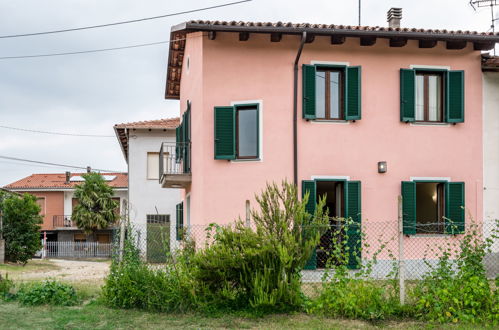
(260, 130)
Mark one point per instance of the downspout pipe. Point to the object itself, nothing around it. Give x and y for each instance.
(295, 110)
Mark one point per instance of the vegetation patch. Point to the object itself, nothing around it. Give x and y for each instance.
(47, 293)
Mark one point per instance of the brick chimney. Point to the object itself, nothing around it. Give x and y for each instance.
(394, 16)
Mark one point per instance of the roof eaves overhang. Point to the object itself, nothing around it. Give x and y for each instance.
(481, 41)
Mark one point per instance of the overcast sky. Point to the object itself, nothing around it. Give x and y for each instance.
(89, 93)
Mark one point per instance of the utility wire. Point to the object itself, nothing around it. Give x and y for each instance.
(88, 51)
(56, 133)
(123, 22)
(55, 164)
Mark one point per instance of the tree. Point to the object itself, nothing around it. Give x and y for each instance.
(21, 227)
(96, 209)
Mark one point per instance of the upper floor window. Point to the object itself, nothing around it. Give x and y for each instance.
(237, 132)
(247, 132)
(153, 165)
(331, 92)
(41, 202)
(429, 100)
(431, 95)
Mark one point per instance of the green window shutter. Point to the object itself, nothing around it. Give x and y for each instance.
(407, 95)
(353, 212)
(186, 139)
(308, 91)
(180, 221)
(455, 97)
(225, 142)
(353, 93)
(177, 142)
(454, 208)
(309, 185)
(409, 207)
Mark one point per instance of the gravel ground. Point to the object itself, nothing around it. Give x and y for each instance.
(69, 270)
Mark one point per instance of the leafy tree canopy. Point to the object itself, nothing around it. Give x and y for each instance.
(96, 209)
(21, 226)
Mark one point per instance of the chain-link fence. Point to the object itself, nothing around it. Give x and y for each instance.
(373, 250)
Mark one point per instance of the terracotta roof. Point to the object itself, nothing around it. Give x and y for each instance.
(167, 123)
(194, 24)
(58, 181)
(398, 37)
(490, 63)
(121, 133)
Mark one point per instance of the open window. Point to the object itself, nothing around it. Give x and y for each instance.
(431, 96)
(433, 207)
(237, 132)
(343, 200)
(331, 92)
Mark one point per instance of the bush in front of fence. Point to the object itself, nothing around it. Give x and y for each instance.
(132, 283)
(353, 294)
(240, 267)
(457, 289)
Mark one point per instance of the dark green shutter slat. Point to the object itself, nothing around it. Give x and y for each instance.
(409, 207)
(177, 143)
(407, 95)
(308, 91)
(225, 145)
(455, 97)
(454, 208)
(180, 220)
(309, 185)
(187, 138)
(353, 93)
(353, 212)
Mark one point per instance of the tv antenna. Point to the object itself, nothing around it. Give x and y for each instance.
(487, 3)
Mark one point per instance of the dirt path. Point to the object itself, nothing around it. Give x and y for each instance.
(68, 270)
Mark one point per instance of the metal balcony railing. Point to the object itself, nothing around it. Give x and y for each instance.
(63, 221)
(174, 159)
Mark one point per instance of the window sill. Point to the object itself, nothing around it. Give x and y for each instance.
(430, 124)
(245, 160)
(330, 121)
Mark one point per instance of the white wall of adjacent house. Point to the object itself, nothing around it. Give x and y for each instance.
(146, 196)
(491, 151)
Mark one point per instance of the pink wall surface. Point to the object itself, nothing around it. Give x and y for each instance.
(226, 70)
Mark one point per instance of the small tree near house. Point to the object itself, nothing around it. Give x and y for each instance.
(96, 209)
(21, 227)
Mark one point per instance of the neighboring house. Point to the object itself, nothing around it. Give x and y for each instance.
(362, 114)
(490, 68)
(151, 208)
(55, 195)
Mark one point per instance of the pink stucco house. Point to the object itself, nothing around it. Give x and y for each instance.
(362, 114)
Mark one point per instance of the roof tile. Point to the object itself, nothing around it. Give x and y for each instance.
(58, 181)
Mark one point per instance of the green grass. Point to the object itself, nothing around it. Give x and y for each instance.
(95, 316)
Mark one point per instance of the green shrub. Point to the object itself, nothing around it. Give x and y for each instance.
(47, 293)
(6, 287)
(132, 284)
(356, 299)
(447, 295)
(260, 267)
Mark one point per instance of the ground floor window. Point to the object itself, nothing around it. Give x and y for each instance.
(430, 207)
(80, 238)
(433, 207)
(344, 206)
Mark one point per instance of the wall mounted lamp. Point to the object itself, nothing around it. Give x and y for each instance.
(382, 167)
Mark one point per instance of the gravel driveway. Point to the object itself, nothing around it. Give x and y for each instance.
(70, 270)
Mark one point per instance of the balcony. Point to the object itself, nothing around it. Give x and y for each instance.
(63, 222)
(175, 165)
